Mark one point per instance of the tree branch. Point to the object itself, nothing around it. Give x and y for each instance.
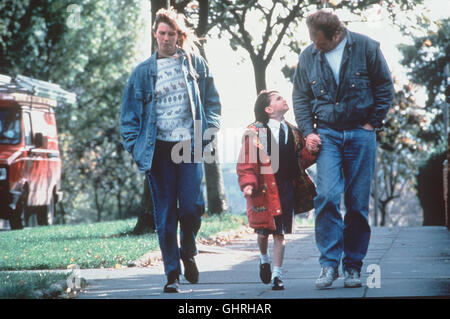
(268, 31)
(245, 40)
(286, 22)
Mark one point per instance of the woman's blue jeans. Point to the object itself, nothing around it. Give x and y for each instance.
(177, 197)
(346, 165)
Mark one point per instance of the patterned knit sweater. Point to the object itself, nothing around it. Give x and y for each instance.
(173, 114)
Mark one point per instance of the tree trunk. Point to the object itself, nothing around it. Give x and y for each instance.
(97, 206)
(61, 215)
(259, 69)
(383, 215)
(146, 221)
(215, 188)
(119, 204)
(203, 18)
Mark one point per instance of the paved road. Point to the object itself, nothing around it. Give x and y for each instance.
(406, 262)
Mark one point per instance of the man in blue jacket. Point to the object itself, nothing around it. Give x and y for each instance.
(342, 92)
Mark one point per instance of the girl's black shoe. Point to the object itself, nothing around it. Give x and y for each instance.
(265, 273)
(277, 284)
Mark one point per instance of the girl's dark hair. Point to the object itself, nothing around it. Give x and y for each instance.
(262, 101)
(326, 22)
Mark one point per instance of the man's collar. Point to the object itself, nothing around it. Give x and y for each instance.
(349, 37)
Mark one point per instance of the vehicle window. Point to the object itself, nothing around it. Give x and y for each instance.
(9, 126)
(27, 128)
(39, 124)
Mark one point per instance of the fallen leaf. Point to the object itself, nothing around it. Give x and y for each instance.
(427, 43)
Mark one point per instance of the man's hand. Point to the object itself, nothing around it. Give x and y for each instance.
(313, 143)
(248, 190)
(368, 127)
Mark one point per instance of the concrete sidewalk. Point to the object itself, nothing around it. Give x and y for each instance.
(406, 262)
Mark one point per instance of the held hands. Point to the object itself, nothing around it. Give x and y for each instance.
(313, 143)
(248, 190)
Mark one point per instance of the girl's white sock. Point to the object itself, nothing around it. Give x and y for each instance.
(277, 272)
(265, 259)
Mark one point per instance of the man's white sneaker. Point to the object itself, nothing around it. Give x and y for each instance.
(352, 278)
(326, 278)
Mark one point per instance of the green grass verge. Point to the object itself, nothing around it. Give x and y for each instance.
(23, 285)
(89, 245)
(305, 221)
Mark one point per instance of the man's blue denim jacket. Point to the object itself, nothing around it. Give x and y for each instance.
(364, 94)
(138, 114)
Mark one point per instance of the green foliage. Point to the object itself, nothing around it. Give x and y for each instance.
(426, 59)
(430, 189)
(412, 131)
(87, 47)
(401, 147)
(23, 285)
(30, 32)
(223, 222)
(92, 245)
(95, 161)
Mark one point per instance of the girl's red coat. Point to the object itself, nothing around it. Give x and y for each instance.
(254, 168)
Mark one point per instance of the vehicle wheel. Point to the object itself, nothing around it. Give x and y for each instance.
(46, 214)
(18, 214)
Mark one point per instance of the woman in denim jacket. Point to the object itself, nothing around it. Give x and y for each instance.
(170, 99)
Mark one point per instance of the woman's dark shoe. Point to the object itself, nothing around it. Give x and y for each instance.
(277, 284)
(190, 270)
(265, 273)
(173, 284)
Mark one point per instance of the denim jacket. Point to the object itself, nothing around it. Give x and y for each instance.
(138, 114)
(364, 94)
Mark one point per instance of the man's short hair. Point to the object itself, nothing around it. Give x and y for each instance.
(324, 21)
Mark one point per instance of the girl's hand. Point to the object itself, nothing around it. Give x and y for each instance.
(313, 143)
(248, 190)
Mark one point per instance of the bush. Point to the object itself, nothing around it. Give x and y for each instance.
(430, 189)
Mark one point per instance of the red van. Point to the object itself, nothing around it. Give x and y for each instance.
(30, 162)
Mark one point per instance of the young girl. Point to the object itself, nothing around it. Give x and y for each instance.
(272, 177)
